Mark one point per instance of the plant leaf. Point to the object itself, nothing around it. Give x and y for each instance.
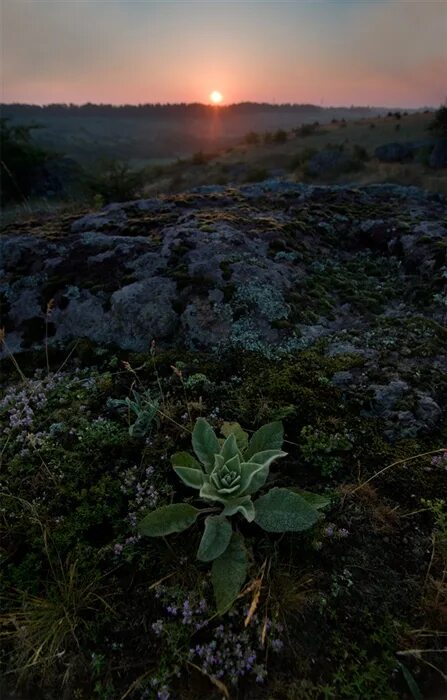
(255, 472)
(281, 510)
(209, 492)
(268, 437)
(168, 519)
(245, 506)
(230, 449)
(205, 443)
(314, 499)
(229, 572)
(215, 538)
(253, 477)
(191, 477)
(184, 459)
(267, 456)
(412, 685)
(241, 435)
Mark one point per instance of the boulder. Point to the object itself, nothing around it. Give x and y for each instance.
(394, 152)
(328, 162)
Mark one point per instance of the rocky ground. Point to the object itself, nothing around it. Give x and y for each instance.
(324, 307)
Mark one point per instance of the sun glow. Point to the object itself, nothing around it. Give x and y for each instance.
(216, 97)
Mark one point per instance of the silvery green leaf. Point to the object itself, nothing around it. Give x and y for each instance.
(233, 464)
(184, 459)
(314, 499)
(205, 443)
(269, 437)
(281, 510)
(243, 505)
(225, 486)
(229, 448)
(215, 538)
(241, 435)
(253, 477)
(168, 519)
(209, 493)
(218, 462)
(256, 471)
(190, 477)
(229, 572)
(267, 457)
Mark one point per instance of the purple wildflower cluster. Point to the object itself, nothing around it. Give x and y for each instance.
(332, 530)
(163, 692)
(141, 490)
(119, 547)
(440, 460)
(230, 655)
(22, 404)
(188, 614)
(233, 652)
(230, 651)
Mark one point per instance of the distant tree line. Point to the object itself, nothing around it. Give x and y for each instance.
(194, 109)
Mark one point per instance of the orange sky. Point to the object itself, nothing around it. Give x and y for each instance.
(383, 52)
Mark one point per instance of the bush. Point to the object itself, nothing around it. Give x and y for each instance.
(252, 138)
(115, 181)
(256, 175)
(439, 124)
(302, 158)
(201, 158)
(308, 129)
(280, 136)
(360, 153)
(19, 157)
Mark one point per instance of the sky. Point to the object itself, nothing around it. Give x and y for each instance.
(326, 52)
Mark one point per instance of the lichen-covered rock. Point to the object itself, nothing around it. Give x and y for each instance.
(273, 267)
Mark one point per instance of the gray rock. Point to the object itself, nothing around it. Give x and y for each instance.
(394, 152)
(142, 312)
(239, 281)
(386, 396)
(428, 412)
(327, 162)
(112, 216)
(342, 379)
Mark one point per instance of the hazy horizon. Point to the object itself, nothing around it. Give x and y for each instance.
(326, 52)
(225, 106)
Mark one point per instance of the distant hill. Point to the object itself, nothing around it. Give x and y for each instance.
(158, 131)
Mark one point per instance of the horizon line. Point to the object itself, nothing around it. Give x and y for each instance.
(208, 105)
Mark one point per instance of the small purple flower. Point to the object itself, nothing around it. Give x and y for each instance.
(157, 627)
(276, 644)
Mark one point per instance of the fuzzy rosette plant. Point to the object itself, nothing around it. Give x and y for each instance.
(227, 473)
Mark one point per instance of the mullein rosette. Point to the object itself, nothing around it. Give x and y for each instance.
(227, 473)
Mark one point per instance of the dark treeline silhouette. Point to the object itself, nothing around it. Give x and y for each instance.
(194, 109)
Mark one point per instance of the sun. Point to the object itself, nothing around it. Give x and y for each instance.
(216, 97)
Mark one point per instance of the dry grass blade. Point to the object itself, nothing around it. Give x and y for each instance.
(215, 681)
(395, 464)
(256, 587)
(10, 355)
